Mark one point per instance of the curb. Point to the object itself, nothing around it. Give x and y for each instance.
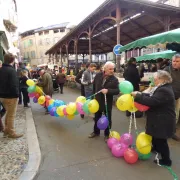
(34, 161)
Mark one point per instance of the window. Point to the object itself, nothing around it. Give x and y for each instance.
(56, 31)
(40, 42)
(28, 55)
(30, 43)
(40, 33)
(62, 30)
(47, 41)
(46, 32)
(33, 55)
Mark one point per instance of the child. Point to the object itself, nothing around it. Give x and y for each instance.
(24, 87)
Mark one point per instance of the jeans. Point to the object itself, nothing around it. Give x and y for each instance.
(11, 106)
(88, 91)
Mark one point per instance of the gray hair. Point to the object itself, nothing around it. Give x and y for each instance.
(176, 56)
(108, 64)
(164, 75)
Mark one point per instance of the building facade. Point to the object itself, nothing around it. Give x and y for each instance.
(34, 43)
(8, 25)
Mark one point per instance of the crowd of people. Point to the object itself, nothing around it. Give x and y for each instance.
(163, 97)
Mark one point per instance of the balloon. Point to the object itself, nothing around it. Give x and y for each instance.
(126, 139)
(31, 89)
(35, 100)
(76, 113)
(126, 87)
(59, 110)
(146, 136)
(47, 97)
(65, 112)
(141, 107)
(47, 103)
(55, 114)
(31, 94)
(124, 102)
(143, 156)
(143, 144)
(81, 99)
(52, 111)
(93, 106)
(39, 90)
(118, 149)
(51, 101)
(111, 142)
(30, 82)
(115, 135)
(103, 123)
(70, 117)
(85, 106)
(79, 107)
(41, 100)
(37, 95)
(50, 107)
(130, 156)
(132, 108)
(71, 108)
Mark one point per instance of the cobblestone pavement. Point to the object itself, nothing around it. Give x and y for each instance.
(14, 152)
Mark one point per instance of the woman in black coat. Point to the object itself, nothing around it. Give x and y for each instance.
(161, 116)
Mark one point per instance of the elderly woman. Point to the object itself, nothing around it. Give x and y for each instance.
(161, 116)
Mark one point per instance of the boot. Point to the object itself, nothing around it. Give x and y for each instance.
(14, 135)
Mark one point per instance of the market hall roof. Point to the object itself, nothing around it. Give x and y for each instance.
(140, 18)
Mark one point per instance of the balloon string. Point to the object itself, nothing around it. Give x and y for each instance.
(167, 167)
(106, 106)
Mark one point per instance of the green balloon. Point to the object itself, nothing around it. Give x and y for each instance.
(85, 107)
(126, 87)
(76, 113)
(143, 156)
(31, 89)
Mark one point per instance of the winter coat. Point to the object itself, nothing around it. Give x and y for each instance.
(111, 83)
(47, 84)
(61, 78)
(22, 81)
(9, 83)
(161, 118)
(131, 74)
(78, 80)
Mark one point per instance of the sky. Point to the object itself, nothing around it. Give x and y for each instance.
(37, 13)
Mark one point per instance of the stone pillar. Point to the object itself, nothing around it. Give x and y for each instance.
(76, 55)
(90, 45)
(61, 57)
(118, 19)
(67, 54)
(167, 21)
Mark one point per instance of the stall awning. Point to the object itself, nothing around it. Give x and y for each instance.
(158, 41)
(164, 54)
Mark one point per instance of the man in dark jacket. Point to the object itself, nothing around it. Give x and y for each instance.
(9, 93)
(108, 84)
(131, 74)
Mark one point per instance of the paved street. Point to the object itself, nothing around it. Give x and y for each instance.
(68, 154)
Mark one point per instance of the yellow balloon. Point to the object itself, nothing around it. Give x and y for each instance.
(81, 99)
(70, 117)
(59, 110)
(143, 144)
(148, 137)
(133, 108)
(51, 101)
(39, 90)
(71, 108)
(41, 100)
(93, 106)
(124, 102)
(30, 82)
(115, 135)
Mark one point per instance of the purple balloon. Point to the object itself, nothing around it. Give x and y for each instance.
(111, 142)
(127, 139)
(118, 150)
(52, 111)
(103, 123)
(35, 100)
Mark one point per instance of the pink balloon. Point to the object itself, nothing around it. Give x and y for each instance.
(127, 139)
(79, 108)
(118, 150)
(111, 142)
(31, 94)
(64, 111)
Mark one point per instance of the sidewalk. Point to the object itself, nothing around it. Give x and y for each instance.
(14, 152)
